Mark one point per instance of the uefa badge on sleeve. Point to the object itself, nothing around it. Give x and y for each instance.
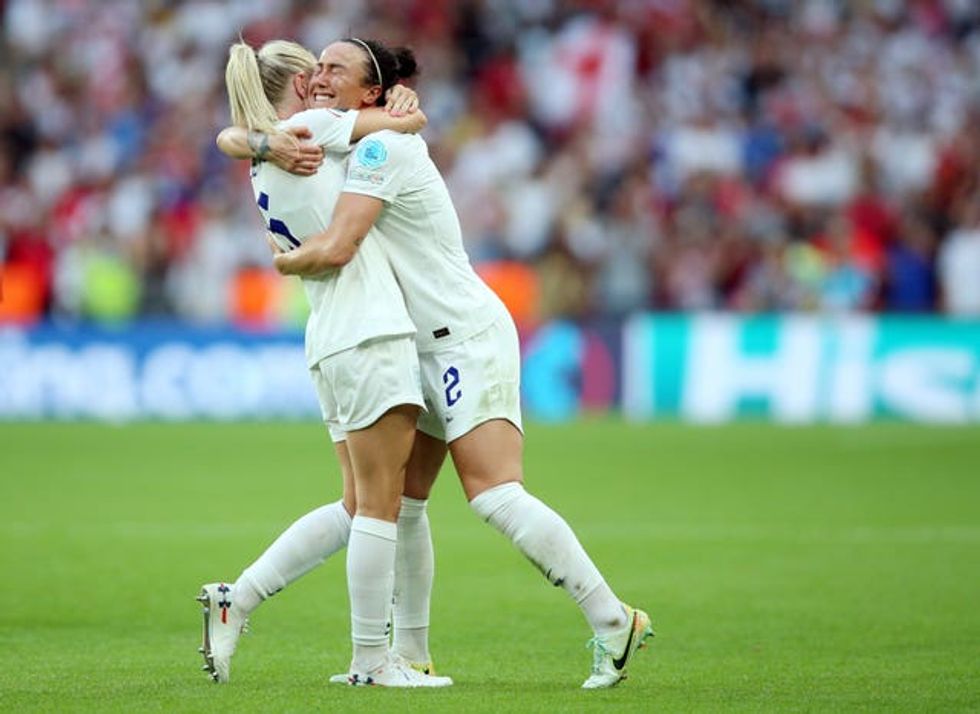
(371, 154)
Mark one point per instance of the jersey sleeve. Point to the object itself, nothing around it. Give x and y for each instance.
(331, 128)
(380, 166)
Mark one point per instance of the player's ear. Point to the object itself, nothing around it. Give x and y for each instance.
(371, 98)
(301, 84)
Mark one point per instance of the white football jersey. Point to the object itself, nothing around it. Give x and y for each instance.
(419, 229)
(360, 301)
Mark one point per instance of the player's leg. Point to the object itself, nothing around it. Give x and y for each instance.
(546, 539)
(474, 388)
(428, 455)
(414, 562)
(346, 470)
(381, 407)
(379, 455)
(489, 455)
(304, 545)
(488, 460)
(483, 423)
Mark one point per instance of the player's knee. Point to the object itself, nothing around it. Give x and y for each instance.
(383, 512)
(475, 485)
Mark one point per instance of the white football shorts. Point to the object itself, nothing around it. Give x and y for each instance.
(357, 386)
(472, 382)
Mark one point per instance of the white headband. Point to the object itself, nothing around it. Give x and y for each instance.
(374, 59)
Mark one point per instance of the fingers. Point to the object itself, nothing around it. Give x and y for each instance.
(273, 245)
(295, 154)
(296, 157)
(401, 100)
(310, 152)
(390, 100)
(300, 132)
(306, 160)
(304, 169)
(309, 159)
(406, 105)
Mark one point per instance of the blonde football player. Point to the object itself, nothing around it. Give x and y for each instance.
(362, 358)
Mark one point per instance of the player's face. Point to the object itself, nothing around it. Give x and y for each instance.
(338, 81)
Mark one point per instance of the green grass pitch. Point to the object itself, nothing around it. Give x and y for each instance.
(785, 569)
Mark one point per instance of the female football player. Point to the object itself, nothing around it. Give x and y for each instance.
(361, 354)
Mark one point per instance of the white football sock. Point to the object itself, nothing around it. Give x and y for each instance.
(303, 546)
(547, 541)
(604, 611)
(371, 583)
(414, 569)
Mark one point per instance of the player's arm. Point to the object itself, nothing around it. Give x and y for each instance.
(290, 150)
(377, 172)
(240, 143)
(353, 217)
(377, 119)
(293, 152)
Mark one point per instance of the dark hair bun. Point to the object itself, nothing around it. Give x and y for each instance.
(407, 66)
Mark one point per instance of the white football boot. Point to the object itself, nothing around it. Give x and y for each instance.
(423, 667)
(612, 653)
(393, 672)
(223, 625)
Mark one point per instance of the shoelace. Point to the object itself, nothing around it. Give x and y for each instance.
(599, 653)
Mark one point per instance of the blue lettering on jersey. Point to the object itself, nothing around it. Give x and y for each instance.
(371, 153)
(280, 228)
(451, 379)
(263, 201)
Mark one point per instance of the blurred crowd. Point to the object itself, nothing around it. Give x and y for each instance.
(604, 157)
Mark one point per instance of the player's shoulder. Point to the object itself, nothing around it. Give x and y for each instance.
(386, 146)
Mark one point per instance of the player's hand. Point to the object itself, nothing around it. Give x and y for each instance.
(271, 240)
(292, 151)
(415, 122)
(401, 100)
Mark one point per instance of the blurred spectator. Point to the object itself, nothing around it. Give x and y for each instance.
(959, 261)
(604, 156)
(909, 281)
(850, 278)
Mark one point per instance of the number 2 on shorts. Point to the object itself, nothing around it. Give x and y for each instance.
(450, 378)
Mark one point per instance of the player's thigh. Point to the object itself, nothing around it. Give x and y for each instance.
(339, 439)
(472, 382)
(379, 454)
(487, 456)
(472, 390)
(428, 456)
(370, 396)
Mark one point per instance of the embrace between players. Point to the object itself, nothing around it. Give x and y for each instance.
(411, 355)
